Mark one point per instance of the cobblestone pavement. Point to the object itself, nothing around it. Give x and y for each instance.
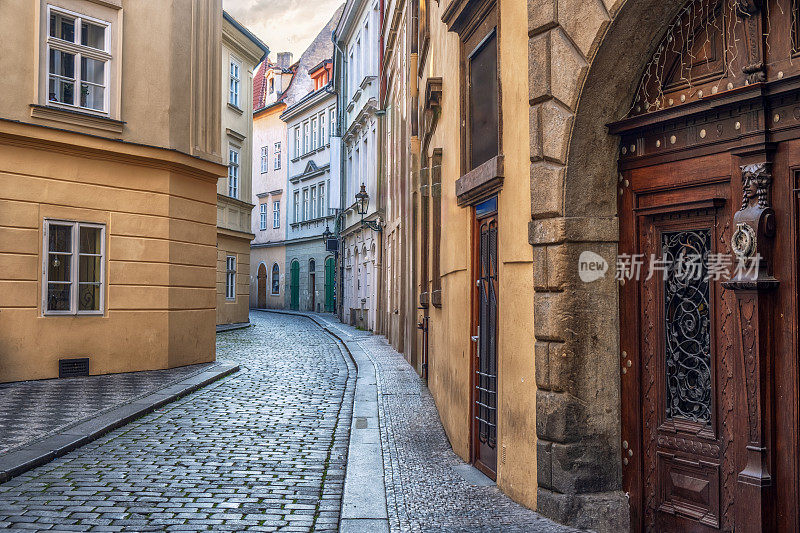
(262, 450)
(30, 410)
(424, 490)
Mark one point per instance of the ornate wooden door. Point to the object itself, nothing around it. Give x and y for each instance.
(485, 379)
(262, 286)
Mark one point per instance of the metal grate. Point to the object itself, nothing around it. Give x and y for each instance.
(70, 368)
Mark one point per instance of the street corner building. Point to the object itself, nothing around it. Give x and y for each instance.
(110, 155)
(648, 127)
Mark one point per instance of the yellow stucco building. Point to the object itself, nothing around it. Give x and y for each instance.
(109, 159)
(241, 53)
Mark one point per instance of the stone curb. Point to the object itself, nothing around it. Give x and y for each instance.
(231, 327)
(364, 508)
(45, 450)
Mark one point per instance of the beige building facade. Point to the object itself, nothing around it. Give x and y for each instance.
(241, 53)
(107, 228)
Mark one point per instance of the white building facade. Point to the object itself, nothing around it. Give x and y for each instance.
(312, 198)
(358, 89)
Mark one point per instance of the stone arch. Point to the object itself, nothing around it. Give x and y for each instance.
(586, 59)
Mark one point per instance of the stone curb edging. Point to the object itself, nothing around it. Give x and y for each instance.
(45, 450)
(222, 328)
(364, 507)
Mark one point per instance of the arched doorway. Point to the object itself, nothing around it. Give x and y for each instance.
(708, 157)
(330, 277)
(312, 285)
(262, 286)
(294, 285)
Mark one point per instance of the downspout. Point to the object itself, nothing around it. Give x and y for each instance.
(379, 316)
(340, 105)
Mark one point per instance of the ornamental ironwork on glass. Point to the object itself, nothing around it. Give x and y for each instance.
(687, 324)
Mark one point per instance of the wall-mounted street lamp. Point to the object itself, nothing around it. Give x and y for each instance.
(362, 205)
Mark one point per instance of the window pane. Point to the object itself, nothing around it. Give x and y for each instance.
(483, 104)
(89, 269)
(93, 35)
(92, 96)
(89, 297)
(62, 27)
(58, 297)
(58, 267)
(90, 240)
(60, 238)
(62, 63)
(61, 91)
(93, 71)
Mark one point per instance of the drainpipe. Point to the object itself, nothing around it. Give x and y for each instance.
(340, 107)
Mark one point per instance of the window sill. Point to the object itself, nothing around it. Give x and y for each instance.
(76, 118)
(235, 108)
(481, 182)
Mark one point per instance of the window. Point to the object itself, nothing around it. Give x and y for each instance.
(297, 206)
(233, 173)
(276, 214)
(322, 138)
(74, 268)
(314, 134)
(263, 217)
(305, 204)
(77, 61)
(276, 279)
(297, 141)
(271, 85)
(235, 78)
(230, 277)
(323, 211)
(313, 202)
(483, 133)
(306, 139)
(264, 159)
(332, 122)
(277, 156)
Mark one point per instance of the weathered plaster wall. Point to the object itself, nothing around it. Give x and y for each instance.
(234, 311)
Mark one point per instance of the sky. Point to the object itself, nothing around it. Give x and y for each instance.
(283, 25)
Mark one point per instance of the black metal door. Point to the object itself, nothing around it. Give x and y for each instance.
(485, 364)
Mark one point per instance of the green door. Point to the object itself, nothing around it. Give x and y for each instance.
(294, 286)
(330, 275)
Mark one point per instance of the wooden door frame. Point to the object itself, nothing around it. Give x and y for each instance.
(474, 346)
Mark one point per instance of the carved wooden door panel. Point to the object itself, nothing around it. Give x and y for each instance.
(686, 371)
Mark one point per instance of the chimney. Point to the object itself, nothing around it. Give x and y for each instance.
(284, 59)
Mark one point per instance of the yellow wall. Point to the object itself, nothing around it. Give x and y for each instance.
(160, 238)
(233, 311)
(268, 256)
(449, 344)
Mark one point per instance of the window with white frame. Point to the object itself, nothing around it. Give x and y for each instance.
(264, 159)
(305, 204)
(297, 206)
(314, 134)
(263, 216)
(74, 270)
(323, 207)
(230, 277)
(233, 173)
(306, 139)
(235, 82)
(277, 156)
(77, 60)
(276, 214)
(322, 137)
(332, 123)
(313, 202)
(297, 141)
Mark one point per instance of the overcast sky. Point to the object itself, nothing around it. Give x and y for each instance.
(283, 25)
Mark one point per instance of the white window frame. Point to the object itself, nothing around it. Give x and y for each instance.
(264, 159)
(332, 114)
(314, 134)
(74, 267)
(79, 51)
(297, 141)
(262, 212)
(276, 214)
(313, 201)
(322, 203)
(235, 78)
(297, 206)
(233, 172)
(305, 204)
(306, 139)
(230, 277)
(278, 156)
(322, 137)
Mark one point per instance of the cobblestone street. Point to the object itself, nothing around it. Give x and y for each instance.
(262, 450)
